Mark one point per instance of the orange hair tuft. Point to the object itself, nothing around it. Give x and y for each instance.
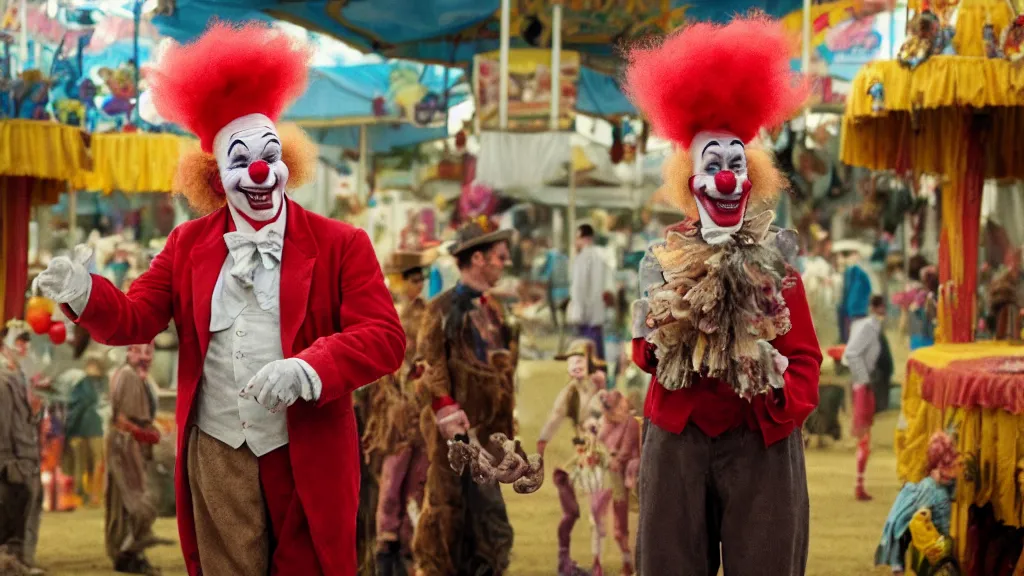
(198, 177)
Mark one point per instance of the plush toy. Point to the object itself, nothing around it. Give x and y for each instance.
(1013, 40)
(120, 83)
(923, 509)
(31, 95)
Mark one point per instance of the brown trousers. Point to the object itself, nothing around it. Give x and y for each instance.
(727, 501)
(249, 520)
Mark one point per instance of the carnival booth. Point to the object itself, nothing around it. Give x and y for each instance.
(37, 161)
(953, 105)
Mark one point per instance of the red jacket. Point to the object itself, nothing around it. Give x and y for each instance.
(336, 314)
(714, 407)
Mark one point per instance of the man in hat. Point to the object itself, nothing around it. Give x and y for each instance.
(723, 322)
(19, 455)
(392, 431)
(469, 351)
(280, 314)
(130, 510)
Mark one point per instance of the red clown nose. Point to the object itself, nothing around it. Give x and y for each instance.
(725, 181)
(259, 170)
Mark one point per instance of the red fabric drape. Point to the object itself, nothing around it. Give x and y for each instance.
(959, 238)
(16, 203)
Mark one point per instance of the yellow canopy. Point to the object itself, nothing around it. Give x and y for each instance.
(133, 162)
(41, 149)
(924, 114)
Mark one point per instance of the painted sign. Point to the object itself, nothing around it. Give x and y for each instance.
(529, 89)
(845, 35)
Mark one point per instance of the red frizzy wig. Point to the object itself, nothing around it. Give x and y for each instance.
(229, 72)
(733, 78)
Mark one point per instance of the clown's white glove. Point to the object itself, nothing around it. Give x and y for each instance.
(66, 280)
(640, 310)
(781, 362)
(280, 383)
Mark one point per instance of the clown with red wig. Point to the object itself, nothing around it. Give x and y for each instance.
(722, 323)
(280, 313)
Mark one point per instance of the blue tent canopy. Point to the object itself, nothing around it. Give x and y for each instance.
(447, 31)
(347, 92)
(599, 94)
(340, 99)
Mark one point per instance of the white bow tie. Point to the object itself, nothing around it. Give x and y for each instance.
(249, 250)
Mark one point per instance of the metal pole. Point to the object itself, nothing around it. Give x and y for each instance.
(572, 210)
(805, 56)
(73, 214)
(476, 92)
(805, 52)
(362, 182)
(136, 20)
(506, 17)
(23, 41)
(556, 64)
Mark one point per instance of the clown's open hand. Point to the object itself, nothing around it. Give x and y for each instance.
(66, 280)
(280, 383)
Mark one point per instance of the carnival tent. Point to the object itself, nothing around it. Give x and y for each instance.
(961, 117)
(453, 31)
(37, 159)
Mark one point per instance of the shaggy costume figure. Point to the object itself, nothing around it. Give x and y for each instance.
(281, 314)
(723, 322)
(392, 442)
(469, 351)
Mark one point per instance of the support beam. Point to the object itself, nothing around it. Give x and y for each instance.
(362, 182)
(556, 64)
(506, 17)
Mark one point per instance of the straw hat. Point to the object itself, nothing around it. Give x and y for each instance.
(478, 232)
(586, 348)
(401, 262)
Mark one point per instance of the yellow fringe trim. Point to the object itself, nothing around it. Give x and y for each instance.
(133, 162)
(41, 149)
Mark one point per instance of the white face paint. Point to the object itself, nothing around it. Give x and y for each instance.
(248, 152)
(719, 184)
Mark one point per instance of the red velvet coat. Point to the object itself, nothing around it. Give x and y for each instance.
(713, 406)
(336, 314)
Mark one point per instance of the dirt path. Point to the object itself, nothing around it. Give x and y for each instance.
(844, 533)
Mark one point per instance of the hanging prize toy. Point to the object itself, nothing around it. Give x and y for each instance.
(1013, 40)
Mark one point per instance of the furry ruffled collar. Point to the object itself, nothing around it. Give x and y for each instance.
(719, 308)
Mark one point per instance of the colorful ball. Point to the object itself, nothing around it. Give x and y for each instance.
(58, 333)
(39, 302)
(39, 320)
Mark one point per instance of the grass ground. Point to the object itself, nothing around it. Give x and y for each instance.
(844, 533)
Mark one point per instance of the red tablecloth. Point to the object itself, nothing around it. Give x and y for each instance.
(994, 382)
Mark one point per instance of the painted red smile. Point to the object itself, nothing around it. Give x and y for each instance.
(258, 198)
(726, 211)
